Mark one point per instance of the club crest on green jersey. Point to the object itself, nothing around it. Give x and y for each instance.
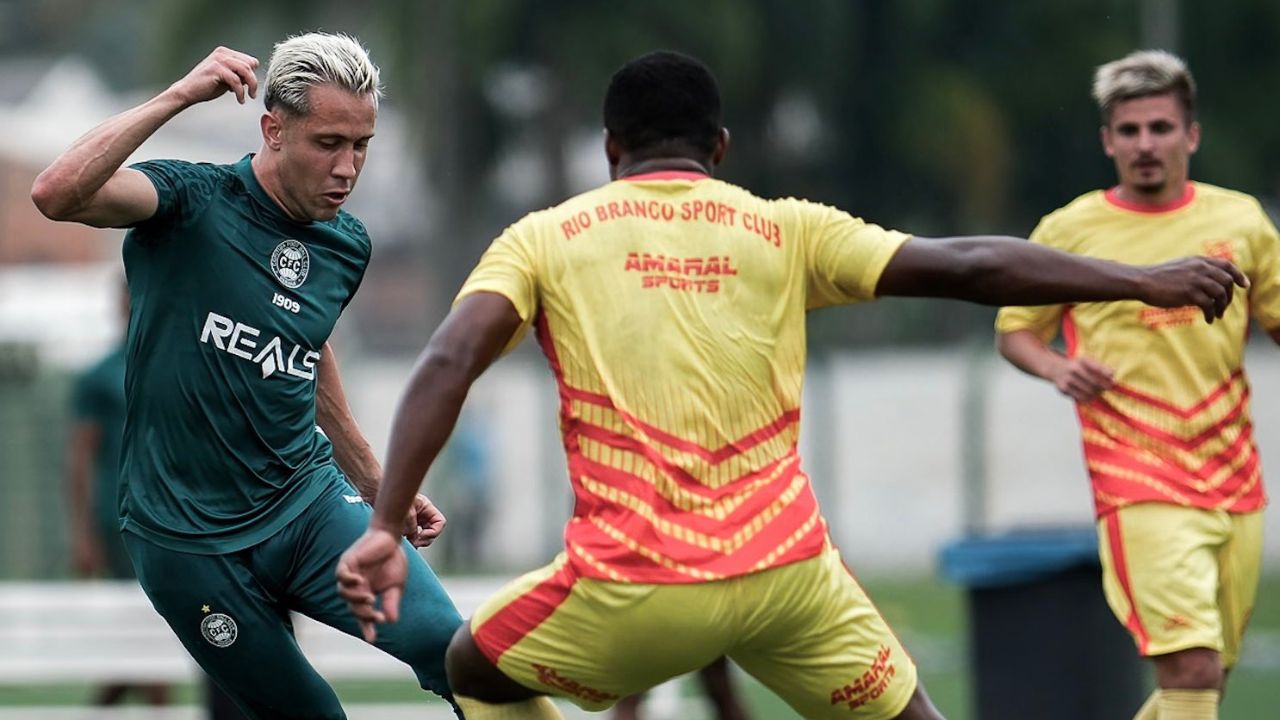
(290, 262)
(219, 630)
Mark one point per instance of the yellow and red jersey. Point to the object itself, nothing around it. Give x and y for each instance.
(670, 307)
(1175, 427)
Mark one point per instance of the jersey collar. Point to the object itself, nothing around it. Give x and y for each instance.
(666, 175)
(1188, 194)
(244, 169)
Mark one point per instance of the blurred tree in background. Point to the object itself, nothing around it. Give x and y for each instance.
(933, 116)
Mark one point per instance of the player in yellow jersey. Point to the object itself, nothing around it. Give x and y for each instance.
(671, 308)
(1162, 397)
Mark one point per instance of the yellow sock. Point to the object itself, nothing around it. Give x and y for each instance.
(539, 708)
(1149, 709)
(1188, 704)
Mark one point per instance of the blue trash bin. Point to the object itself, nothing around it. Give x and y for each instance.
(1042, 641)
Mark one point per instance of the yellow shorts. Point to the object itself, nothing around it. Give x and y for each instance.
(806, 630)
(1180, 577)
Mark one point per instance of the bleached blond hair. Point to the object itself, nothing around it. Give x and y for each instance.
(1143, 73)
(302, 62)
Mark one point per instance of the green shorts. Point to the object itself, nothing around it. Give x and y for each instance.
(231, 611)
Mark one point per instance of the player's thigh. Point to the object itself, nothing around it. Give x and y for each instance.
(1160, 574)
(311, 546)
(816, 640)
(595, 642)
(237, 633)
(1240, 563)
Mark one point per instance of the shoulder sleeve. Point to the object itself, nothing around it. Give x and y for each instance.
(184, 190)
(360, 235)
(844, 255)
(509, 268)
(1264, 287)
(1043, 320)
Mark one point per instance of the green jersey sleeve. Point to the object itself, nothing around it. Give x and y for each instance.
(184, 190)
(350, 225)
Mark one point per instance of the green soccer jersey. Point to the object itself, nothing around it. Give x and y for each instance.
(231, 303)
(98, 399)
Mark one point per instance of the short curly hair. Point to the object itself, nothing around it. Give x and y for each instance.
(663, 98)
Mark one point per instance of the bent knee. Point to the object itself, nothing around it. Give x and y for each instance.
(459, 663)
(472, 675)
(1191, 669)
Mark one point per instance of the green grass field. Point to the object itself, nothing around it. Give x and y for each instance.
(928, 614)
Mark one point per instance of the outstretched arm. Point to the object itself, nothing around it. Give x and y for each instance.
(1009, 271)
(86, 184)
(464, 345)
(468, 340)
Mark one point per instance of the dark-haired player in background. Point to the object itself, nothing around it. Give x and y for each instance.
(93, 468)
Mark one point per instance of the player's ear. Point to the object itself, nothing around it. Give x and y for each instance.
(722, 147)
(613, 153)
(612, 150)
(272, 130)
(1105, 134)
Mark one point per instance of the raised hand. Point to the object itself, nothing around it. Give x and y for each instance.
(1206, 282)
(224, 70)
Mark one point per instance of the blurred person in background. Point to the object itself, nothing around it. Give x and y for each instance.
(235, 505)
(1162, 398)
(466, 487)
(93, 464)
(671, 308)
(717, 684)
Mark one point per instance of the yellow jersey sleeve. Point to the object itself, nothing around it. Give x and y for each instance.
(844, 255)
(508, 268)
(1264, 289)
(1043, 320)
